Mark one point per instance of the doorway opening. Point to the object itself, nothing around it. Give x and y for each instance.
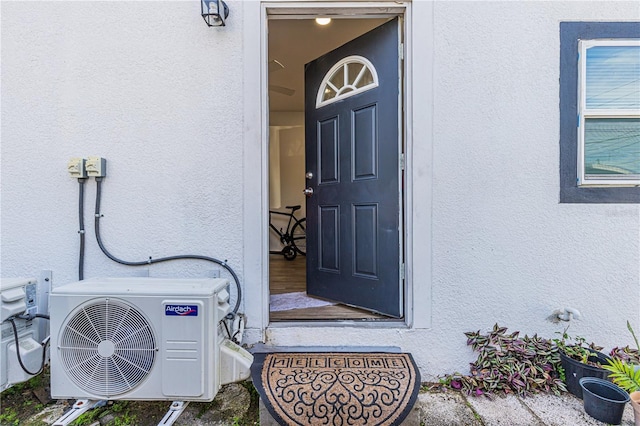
(293, 43)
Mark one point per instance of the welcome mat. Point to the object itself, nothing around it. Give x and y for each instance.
(336, 388)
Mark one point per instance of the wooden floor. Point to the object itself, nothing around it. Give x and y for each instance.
(287, 276)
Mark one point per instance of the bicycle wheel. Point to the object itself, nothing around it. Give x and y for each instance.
(289, 252)
(299, 237)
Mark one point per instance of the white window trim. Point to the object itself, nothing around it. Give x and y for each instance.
(344, 63)
(585, 113)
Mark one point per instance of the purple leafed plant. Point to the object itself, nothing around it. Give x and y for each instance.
(510, 364)
(626, 354)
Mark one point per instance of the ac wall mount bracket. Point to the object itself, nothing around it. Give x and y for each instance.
(177, 407)
(81, 406)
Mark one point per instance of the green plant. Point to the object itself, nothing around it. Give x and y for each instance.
(508, 363)
(624, 365)
(578, 349)
(120, 410)
(624, 374)
(87, 418)
(125, 419)
(633, 334)
(119, 406)
(9, 417)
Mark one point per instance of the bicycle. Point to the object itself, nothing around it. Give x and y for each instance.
(294, 238)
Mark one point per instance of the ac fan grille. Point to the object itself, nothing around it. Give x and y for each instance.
(107, 347)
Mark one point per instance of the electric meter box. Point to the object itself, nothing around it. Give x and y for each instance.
(18, 296)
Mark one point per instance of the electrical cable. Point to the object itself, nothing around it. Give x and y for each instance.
(239, 328)
(161, 259)
(81, 229)
(226, 327)
(32, 316)
(16, 339)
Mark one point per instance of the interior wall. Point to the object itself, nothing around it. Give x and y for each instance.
(292, 167)
(286, 176)
(275, 193)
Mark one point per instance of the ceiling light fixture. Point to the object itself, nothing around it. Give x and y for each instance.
(323, 21)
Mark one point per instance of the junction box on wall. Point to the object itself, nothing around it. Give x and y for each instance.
(96, 167)
(76, 167)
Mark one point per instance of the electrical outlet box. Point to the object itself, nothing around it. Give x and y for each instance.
(76, 168)
(96, 167)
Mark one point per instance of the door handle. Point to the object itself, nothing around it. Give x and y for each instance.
(308, 192)
(308, 175)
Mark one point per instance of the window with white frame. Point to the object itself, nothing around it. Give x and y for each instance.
(350, 76)
(600, 112)
(609, 112)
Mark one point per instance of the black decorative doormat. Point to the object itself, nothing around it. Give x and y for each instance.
(336, 388)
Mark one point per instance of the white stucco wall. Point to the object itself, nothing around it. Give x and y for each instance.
(146, 86)
(172, 105)
(504, 249)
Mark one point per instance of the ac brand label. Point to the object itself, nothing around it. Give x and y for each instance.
(181, 310)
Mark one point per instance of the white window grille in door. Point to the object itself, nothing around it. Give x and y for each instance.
(348, 77)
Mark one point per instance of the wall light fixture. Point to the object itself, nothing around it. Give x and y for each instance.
(214, 12)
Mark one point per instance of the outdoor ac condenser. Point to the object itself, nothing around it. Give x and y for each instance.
(18, 296)
(142, 339)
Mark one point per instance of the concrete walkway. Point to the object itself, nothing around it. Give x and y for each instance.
(449, 408)
(437, 408)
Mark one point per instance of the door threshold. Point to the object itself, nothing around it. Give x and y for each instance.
(337, 312)
(378, 323)
(263, 348)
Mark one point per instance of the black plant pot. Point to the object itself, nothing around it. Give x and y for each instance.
(575, 370)
(603, 400)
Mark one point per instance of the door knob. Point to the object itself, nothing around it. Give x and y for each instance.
(308, 175)
(308, 192)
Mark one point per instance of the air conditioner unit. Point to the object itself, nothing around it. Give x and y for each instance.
(18, 296)
(141, 339)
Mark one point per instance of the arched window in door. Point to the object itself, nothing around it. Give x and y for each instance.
(348, 77)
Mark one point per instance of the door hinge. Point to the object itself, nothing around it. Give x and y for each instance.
(402, 271)
(401, 51)
(401, 161)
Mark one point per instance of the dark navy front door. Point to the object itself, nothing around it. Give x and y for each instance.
(352, 162)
